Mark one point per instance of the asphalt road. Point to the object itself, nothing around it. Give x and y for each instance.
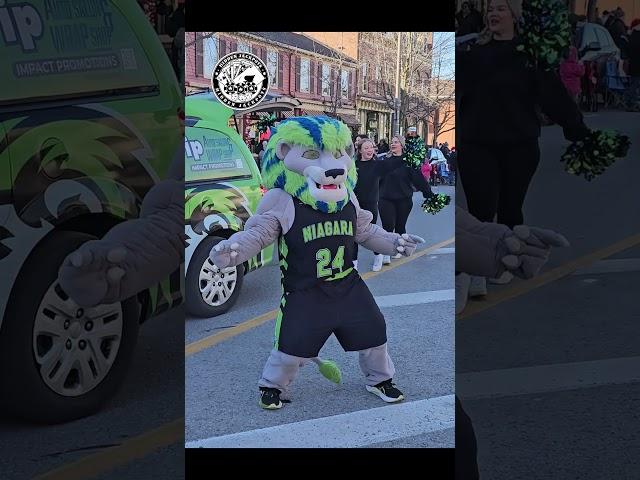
(152, 395)
(221, 381)
(551, 377)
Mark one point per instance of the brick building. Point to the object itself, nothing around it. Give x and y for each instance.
(322, 79)
(442, 124)
(376, 86)
(345, 42)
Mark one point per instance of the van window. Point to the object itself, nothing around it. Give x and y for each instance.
(588, 36)
(603, 37)
(72, 49)
(212, 155)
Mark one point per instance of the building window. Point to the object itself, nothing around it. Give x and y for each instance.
(244, 47)
(344, 84)
(272, 66)
(378, 72)
(326, 74)
(210, 47)
(304, 75)
(364, 77)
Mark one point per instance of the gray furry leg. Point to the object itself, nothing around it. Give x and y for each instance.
(280, 370)
(376, 364)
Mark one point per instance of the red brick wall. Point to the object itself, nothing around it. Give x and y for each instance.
(287, 58)
(190, 57)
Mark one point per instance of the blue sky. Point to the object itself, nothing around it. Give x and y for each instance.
(448, 67)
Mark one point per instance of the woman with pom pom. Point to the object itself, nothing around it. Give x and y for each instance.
(396, 191)
(502, 83)
(367, 189)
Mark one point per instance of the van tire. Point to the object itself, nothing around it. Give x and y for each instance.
(195, 304)
(25, 393)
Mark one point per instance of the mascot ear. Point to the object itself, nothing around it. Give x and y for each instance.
(349, 149)
(282, 149)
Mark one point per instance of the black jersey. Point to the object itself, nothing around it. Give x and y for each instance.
(318, 248)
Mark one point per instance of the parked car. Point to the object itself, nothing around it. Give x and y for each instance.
(84, 138)
(435, 155)
(222, 189)
(594, 44)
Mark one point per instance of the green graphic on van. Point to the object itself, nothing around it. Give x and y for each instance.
(81, 162)
(208, 208)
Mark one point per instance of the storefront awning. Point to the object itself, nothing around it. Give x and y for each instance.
(350, 120)
(311, 112)
(278, 104)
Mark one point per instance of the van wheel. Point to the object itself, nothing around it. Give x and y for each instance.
(58, 361)
(209, 290)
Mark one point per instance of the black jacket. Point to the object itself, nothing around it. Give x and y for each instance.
(399, 184)
(499, 97)
(634, 54)
(472, 23)
(369, 175)
(618, 32)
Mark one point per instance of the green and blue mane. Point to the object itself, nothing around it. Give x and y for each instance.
(320, 132)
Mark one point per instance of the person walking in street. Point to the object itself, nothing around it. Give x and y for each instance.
(383, 146)
(367, 188)
(261, 148)
(359, 139)
(499, 123)
(445, 149)
(571, 72)
(396, 192)
(453, 164)
(632, 94)
(469, 20)
(618, 31)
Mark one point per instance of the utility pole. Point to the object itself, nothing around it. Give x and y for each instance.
(396, 101)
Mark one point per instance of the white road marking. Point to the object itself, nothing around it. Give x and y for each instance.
(613, 265)
(548, 378)
(416, 298)
(347, 430)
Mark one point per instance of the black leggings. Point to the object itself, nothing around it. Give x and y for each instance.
(394, 214)
(466, 446)
(495, 179)
(373, 208)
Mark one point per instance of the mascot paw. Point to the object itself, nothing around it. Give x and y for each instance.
(92, 275)
(224, 253)
(407, 243)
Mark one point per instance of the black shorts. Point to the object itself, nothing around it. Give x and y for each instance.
(309, 317)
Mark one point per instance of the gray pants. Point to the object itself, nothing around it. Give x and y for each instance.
(281, 368)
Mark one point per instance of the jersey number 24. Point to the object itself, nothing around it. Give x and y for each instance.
(323, 256)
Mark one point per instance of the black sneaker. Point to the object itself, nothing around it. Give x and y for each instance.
(270, 398)
(387, 391)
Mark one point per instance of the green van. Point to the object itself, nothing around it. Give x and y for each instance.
(90, 120)
(222, 190)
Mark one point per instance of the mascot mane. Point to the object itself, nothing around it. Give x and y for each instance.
(321, 132)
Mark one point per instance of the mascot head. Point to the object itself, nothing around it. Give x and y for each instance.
(311, 158)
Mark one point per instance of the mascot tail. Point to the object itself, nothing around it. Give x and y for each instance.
(329, 369)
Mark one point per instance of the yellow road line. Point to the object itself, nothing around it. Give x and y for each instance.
(477, 306)
(230, 332)
(113, 457)
(168, 434)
